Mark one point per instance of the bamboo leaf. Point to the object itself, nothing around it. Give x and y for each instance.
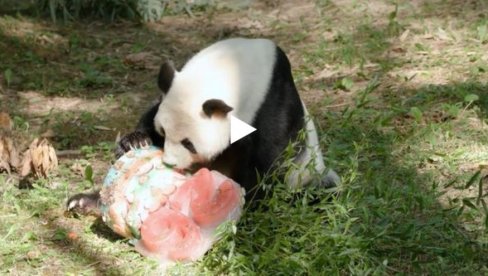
(89, 173)
(471, 98)
(472, 179)
(467, 202)
(480, 191)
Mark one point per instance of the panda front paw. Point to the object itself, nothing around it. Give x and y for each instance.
(85, 204)
(133, 140)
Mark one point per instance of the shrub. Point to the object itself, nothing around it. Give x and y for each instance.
(146, 10)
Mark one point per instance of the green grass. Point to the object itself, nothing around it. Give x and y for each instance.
(400, 101)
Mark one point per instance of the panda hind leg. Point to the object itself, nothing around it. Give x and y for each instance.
(310, 167)
(330, 180)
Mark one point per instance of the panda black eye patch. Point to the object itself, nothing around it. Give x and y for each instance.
(188, 145)
(161, 131)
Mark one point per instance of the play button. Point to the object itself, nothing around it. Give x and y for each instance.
(239, 129)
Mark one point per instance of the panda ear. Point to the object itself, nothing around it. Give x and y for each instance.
(166, 76)
(215, 107)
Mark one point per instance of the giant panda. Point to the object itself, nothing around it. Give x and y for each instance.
(250, 79)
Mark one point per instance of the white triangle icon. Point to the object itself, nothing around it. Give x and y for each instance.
(239, 129)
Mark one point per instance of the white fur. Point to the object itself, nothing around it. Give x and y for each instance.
(237, 71)
(309, 162)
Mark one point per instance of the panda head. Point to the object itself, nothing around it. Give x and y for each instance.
(195, 129)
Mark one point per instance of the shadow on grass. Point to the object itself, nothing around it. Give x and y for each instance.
(387, 218)
(103, 231)
(90, 253)
(455, 8)
(434, 96)
(396, 204)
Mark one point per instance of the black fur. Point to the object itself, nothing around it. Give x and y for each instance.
(166, 75)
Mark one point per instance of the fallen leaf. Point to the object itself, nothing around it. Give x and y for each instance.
(102, 128)
(427, 36)
(39, 159)
(442, 34)
(9, 156)
(404, 35)
(142, 60)
(326, 73)
(72, 236)
(399, 50)
(5, 121)
(26, 164)
(33, 254)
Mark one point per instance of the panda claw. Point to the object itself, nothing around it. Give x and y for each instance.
(144, 144)
(132, 141)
